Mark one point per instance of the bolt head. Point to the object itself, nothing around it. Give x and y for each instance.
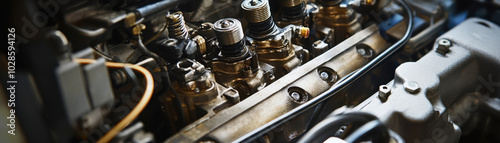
(232, 95)
(384, 92)
(324, 75)
(411, 87)
(443, 46)
(295, 96)
(315, 44)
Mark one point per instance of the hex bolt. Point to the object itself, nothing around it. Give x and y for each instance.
(443, 46)
(411, 87)
(383, 92)
(295, 96)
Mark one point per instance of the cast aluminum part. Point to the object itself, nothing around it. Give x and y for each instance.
(281, 96)
(245, 74)
(424, 92)
(339, 17)
(196, 87)
(278, 51)
(433, 13)
(239, 69)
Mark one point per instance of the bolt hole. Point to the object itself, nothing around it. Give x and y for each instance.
(298, 95)
(483, 23)
(185, 64)
(365, 50)
(327, 74)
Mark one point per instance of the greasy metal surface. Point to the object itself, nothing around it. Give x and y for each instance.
(422, 91)
(274, 100)
(341, 18)
(290, 3)
(278, 51)
(243, 74)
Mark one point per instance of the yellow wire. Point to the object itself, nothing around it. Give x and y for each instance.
(137, 109)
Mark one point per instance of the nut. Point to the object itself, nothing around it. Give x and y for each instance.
(383, 92)
(443, 46)
(295, 96)
(324, 75)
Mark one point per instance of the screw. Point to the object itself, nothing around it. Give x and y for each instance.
(411, 86)
(324, 76)
(443, 46)
(364, 50)
(295, 96)
(383, 92)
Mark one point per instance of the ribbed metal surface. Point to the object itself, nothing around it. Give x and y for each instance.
(256, 10)
(290, 3)
(228, 31)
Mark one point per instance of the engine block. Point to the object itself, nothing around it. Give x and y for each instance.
(251, 71)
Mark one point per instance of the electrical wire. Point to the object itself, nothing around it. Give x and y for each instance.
(336, 88)
(102, 54)
(159, 32)
(164, 69)
(137, 109)
(107, 57)
(142, 48)
(132, 76)
(374, 130)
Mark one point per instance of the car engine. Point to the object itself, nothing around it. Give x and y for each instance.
(383, 71)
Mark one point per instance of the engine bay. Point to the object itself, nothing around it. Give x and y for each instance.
(384, 71)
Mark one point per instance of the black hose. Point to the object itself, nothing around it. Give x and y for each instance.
(102, 54)
(315, 116)
(159, 8)
(107, 57)
(336, 88)
(132, 76)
